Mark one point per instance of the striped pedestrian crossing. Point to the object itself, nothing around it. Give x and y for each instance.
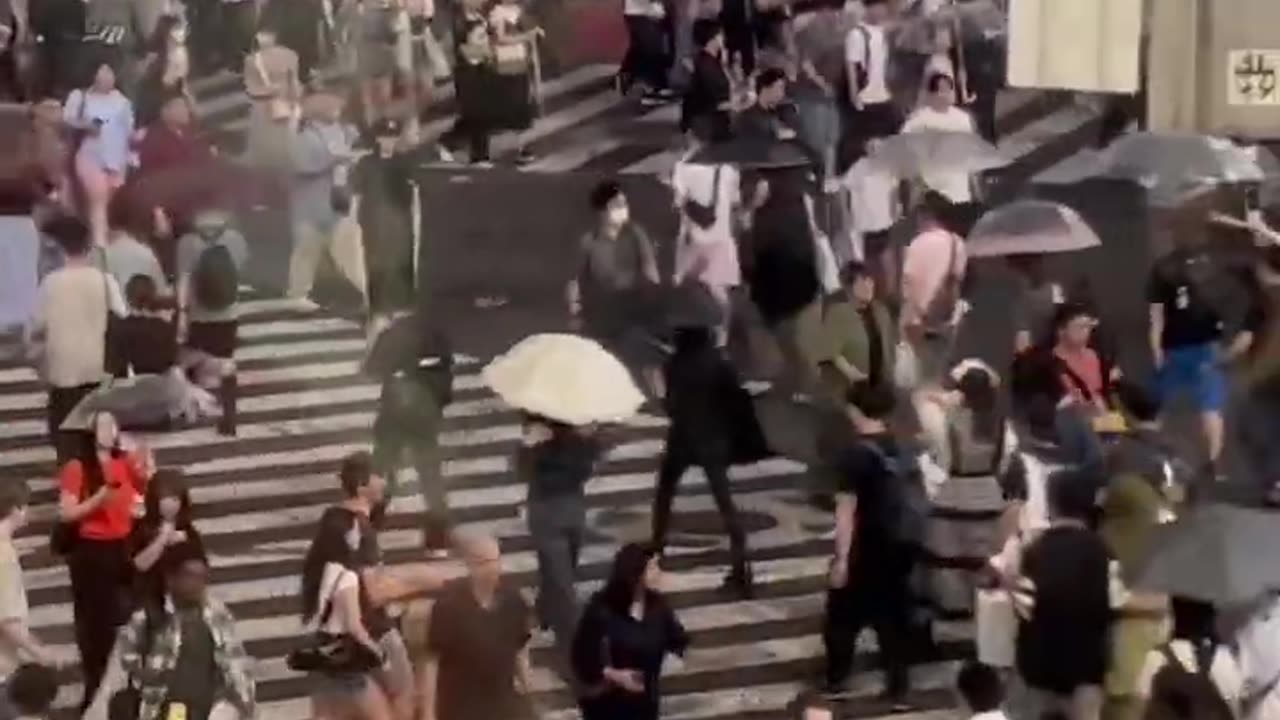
(587, 126)
(305, 405)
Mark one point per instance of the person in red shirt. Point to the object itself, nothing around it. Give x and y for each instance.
(1079, 366)
(98, 492)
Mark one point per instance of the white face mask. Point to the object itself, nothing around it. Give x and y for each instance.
(618, 216)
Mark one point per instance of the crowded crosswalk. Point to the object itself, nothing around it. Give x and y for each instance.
(304, 405)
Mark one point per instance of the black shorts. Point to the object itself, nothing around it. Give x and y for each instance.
(215, 338)
(875, 243)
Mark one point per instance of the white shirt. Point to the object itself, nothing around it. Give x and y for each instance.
(872, 198)
(992, 715)
(336, 579)
(13, 600)
(644, 8)
(715, 244)
(953, 184)
(71, 313)
(876, 58)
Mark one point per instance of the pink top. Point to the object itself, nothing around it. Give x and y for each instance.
(1086, 366)
(927, 262)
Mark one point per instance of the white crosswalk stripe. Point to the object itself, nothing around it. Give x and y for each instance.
(258, 496)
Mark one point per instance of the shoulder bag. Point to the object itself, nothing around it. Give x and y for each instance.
(325, 652)
(704, 216)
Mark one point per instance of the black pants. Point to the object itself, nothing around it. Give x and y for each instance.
(66, 443)
(674, 465)
(101, 600)
(983, 109)
(238, 22)
(648, 59)
(879, 597)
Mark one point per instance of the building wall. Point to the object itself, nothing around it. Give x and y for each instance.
(1084, 45)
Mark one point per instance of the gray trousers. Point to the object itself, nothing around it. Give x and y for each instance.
(557, 525)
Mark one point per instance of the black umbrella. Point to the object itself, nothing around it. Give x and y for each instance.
(1221, 554)
(753, 152)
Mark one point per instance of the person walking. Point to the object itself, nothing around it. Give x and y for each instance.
(383, 197)
(17, 644)
(165, 524)
(97, 493)
(185, 654)
(104, 118)
(711, 416)
(210, 262)
(555, 461)
(323, 152)
(627, 631)
(477, 665)
(67, 336)
(272, 80)
(515, 38)
(874, 555)
(473, 79)
(414, 363)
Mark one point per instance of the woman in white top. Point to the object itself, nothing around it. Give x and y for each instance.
(104, 117)
(333, 602)
(940, 114)
(707, 252)
(1194, 640)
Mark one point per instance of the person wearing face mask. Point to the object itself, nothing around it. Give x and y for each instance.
(210, 261)
(610, 297)
(383, 197)
(165, 524)
(97, 494)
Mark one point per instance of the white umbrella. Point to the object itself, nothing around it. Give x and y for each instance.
(567, 378)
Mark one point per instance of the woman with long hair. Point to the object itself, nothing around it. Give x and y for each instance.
(97, 493)
(626, 632)
(165, 524)
(103, 118)
(334, 601)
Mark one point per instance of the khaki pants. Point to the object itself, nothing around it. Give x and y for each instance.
(345, 247)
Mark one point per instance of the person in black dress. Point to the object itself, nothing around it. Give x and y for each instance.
(708, 101)
(474, 79)
(709, 414)
(383, 191)
(166, 524)
(626, 631)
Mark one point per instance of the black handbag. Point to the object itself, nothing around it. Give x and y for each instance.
(329, 653)
(704, 216)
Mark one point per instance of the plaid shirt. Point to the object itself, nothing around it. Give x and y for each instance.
(153, 671)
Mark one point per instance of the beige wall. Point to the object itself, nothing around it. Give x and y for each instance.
(1086, 45)
(1189, 78)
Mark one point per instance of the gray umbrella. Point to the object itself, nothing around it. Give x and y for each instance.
(1221, 554)
(919, 154)
(1033, 227)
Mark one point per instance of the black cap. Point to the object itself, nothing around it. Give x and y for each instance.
(386, 127)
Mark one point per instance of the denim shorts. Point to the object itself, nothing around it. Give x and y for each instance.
(1193, 369)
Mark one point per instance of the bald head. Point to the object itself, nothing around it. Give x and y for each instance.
(478, 548)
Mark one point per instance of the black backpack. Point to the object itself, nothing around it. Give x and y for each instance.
(906, 505)
(1180, 694)
(216, 280)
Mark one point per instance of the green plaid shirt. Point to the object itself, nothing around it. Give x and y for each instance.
(152, 673)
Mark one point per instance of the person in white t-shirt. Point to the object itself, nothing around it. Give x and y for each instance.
(875, 208)
(17, 644)
(870, 112)
(940, 114)
(69, 326)
(707, 253)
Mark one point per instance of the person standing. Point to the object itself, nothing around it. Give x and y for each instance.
(104, 116)
(166, 524)
(210, 262)
(322, 156)
(383, 195)
(68, 330)
(859, 333)
(515, 50)
(938, 113)
(185, 654)
(166, 69)
(708, 199)
(648, 60)
(710, 417)
(873, 562)
(273, 83)
(473, 79)
(97, 494)
(626, 633)
(708, 104)
(477, 665)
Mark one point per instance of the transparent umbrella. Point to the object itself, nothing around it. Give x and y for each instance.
(922, 154)
(1030, 227)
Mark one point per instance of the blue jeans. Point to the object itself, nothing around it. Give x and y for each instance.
(557, 525)
(1194, 369)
